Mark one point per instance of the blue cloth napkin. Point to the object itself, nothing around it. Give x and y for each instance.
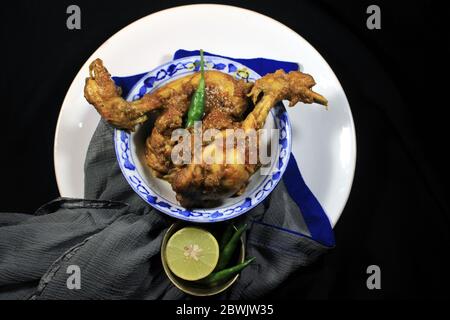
(313, 214)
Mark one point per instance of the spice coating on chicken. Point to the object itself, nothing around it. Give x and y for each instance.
(226, 103)
(206, 183)
(101, 91)
(226, 100)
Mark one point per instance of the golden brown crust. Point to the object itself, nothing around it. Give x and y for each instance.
(227, 101)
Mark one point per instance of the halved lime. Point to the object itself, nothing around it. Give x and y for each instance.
(192, 253)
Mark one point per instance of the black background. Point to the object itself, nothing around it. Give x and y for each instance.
(396, 80)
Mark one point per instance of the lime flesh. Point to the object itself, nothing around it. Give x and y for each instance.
(192, 253)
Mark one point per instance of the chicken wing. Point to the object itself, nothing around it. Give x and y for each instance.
(102, 93)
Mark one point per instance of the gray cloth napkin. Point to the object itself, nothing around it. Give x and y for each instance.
(115, 241)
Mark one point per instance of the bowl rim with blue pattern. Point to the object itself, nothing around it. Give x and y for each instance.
(251, 198)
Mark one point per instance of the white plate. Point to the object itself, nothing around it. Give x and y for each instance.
(324, 142)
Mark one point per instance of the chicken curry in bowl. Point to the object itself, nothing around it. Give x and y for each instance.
(229, 105)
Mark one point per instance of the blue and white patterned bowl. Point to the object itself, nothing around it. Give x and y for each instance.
(157, 192)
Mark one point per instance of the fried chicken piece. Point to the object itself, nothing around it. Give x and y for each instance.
(294, 86)
(200, 184)
(158, 145)
(226, 100)
(221, 111)
(102, 93)
(203, 184)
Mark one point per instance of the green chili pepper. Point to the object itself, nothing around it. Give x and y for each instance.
(221, 276)
(226, 236)
(227, 253)
(197, 106)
